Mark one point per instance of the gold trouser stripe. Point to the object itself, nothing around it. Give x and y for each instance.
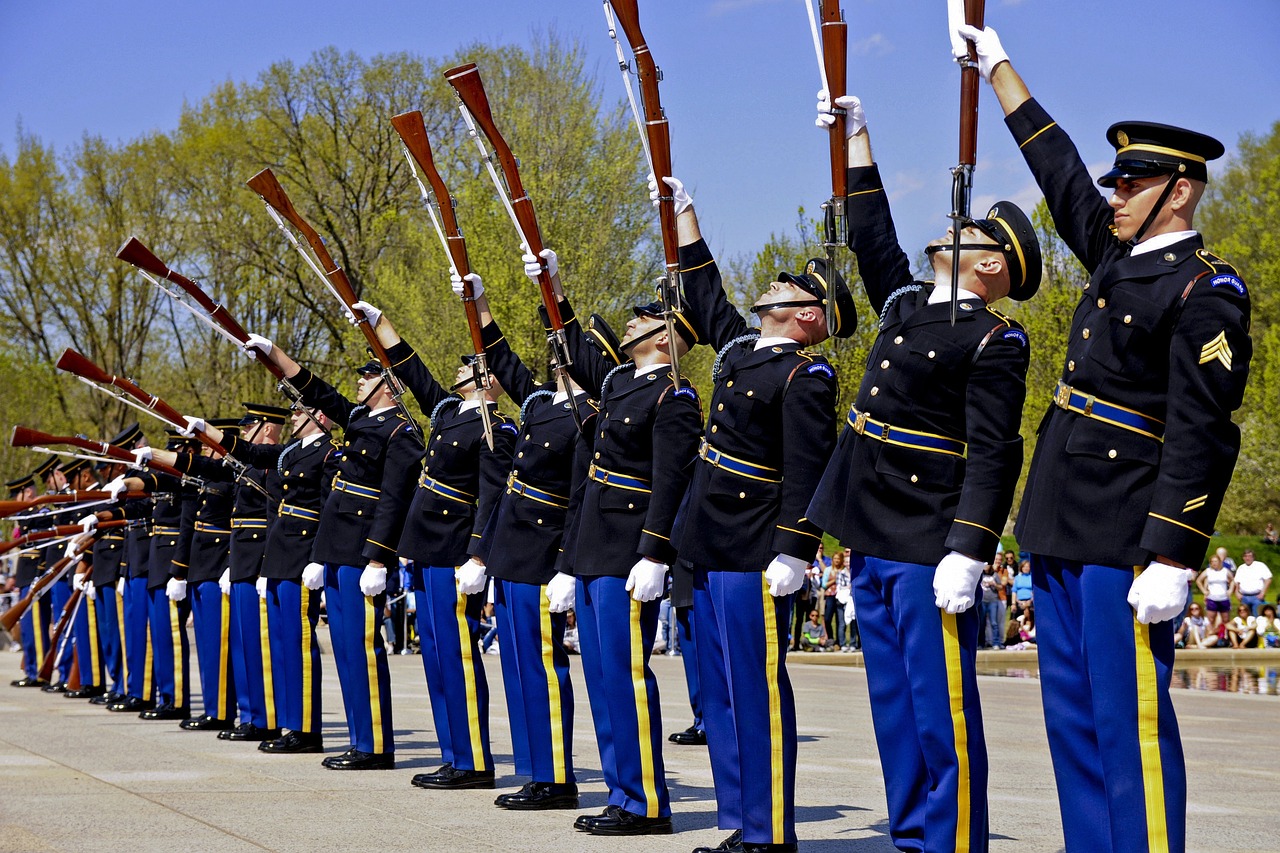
(960, 730)
(371, 665)
(95, 647)
(308, 660)
(36, 634)
(1149, 738)
(147, 674)
(175, 627)
(772, 654)
(553, 688)
(469, 681)
(268, 680)
(224, 653)
(641, 691)
(124, 648)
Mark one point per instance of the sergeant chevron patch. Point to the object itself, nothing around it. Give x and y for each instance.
(1217, 350)
(1195, 503)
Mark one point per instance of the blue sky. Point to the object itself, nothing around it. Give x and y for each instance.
(740, 76)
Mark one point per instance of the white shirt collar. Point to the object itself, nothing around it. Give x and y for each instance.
(774, 342)
(560, 396)
(468, 405)
(1159, 241)
(641, 371)
(942, 293)
(312, 439)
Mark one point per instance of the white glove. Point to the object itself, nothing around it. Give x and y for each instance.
(682, 198)
(77, 583)
(141, 457)
(533, 264)
(1159, 593)
(647, 579)
(855, 118)
(373, 315)
(987, 45)
(259, 343)
(175, 589)
(470, 577)
(955, 582)
(474, 279)
(72, 551)
(562, 591)
(373, 580)
(194, 425)
(90, 592)
(785, 575)
(261, 586)
(224, 582)
(120, 585)
(89, 522)
(313, 576)
(115, 488)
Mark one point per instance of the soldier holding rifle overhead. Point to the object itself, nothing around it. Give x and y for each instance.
(1134, 455)
(459, 487)
(744, 525)
(920, 485)
(359, 532)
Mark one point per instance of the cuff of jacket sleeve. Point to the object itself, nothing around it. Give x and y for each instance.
(800, 541)
(491, 335)
(657, 547)
(972, 539)
(399, 353)
(695, 255)
(385, 554)
(864, 179)
(1028, 121)
(303, 378)
(1173, 539)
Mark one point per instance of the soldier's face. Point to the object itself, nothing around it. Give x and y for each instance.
(783, 291)
(367, 384)
(1132, 200)
(639, 326)
(464, 374)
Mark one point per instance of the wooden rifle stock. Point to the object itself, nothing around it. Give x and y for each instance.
(133, 252)
(974, 12)
(26, 437)
(8, 508)
(39, 536)
(835, 52)
(11, 616)
(57, 645)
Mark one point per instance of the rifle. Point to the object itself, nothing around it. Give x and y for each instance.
(51, 576)
(962, 174)
(212, 314)
(278, 205)
(60, 635)
(26, 437)
(655, 139)
(8, 508)
(92, 375)
(833, 53)
(417, 148)
(62, 531)
(475, 109)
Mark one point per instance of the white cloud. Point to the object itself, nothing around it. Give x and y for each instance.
(904, 184)
(874, 45)
(729, 7)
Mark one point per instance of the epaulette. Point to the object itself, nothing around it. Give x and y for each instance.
(524, 408)
(1221, 274)
(753, 335)
(604, 386)
(452, 399)
(1004, 318)
(1217, 264)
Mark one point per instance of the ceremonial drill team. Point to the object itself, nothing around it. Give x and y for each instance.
(617, 482)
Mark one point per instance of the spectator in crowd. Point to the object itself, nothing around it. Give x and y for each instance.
(1195, 631)
(1268, 628)
(846, 624)
(813, 637)
(804, 599)
(1227, 563)
(1270, 536)
(992, 617)
(832, 607)
(1026, 630)
(488, 624)
(1215, 585)
(1252, 580)
(1242, 630)
(571, 633)
(1022, 588)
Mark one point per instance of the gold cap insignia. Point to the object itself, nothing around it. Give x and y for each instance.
(1122, 138)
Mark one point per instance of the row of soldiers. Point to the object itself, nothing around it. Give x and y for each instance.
(610, 488)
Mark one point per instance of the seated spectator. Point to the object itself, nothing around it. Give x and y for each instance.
(1241, 631)
(1215, 583)
(1026, 623)
(1270, 536)
(571, 633)
(1252, 580)
(813, 637)
(1268, 628)
(1195, 630)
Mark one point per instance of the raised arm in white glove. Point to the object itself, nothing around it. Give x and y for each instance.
(313, 576)
(855, 118)
(474, 279)
(175, 589)
(141, 457)
(261, 586)
(1159, 593)
(955, 582)
(562, 591)
(785, 575)
(533, 266)
(224, 581)
(681, 196)
(372, 314)
(470, 577)
(194, 425)
(89, 522)
(647, 579)
(987, 45)
(259, 343)
(373, 580)
(115, 488)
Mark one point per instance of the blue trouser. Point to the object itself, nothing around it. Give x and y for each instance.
(535, 674)
(88, 648)
(58, 598)
(991, 618)
(170, 648)
(1113, 736)
(138, 664)
(689, 655)
(451, 661)
(747, 703)
(251, 664)
(361, 658)
(293, 612)
(211, 619)
(35, 634)
(616, 635)
(1254, 602)
(924, 706)
(110, 611)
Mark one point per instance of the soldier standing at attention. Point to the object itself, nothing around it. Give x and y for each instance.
(35, 622)
(358, 536)
(919, 487)
(1133, 458)
(743, 524)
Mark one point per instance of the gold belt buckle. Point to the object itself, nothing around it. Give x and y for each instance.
(860, 423)
(1062, 396)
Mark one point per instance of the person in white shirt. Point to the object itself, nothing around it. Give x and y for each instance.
(1252, 581)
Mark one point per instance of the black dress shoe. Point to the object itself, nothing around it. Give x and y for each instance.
(166, 712)
(132, 704)
(692, 736)
(358, 760)
(60, 687)
(623, 822)
(27, 682)
(205, 723)
(294, 742)
(85, 693)
(454, 778)
(541, 795)
(106, 699)
(332, 758)
(732, 844)
(584, 821)
(249, 732)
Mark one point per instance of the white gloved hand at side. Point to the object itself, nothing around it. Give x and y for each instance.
(647, 579)
(313, 576)
(372, 314)
(175, 589)
(373, 580)
(855, 118)
(785, 575)
(470, 577)
(224, 581)
(955, 582)
(562, 591)
(1159, 593)
(987, 45)
(120, 585)
(261, 586)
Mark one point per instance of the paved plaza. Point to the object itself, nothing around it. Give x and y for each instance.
(76, 778)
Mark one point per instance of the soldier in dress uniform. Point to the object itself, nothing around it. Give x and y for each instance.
(35, 622)
(1134, 455)
(85, 631)
(743, 525)
(919, 487)
(645, 441)
(66, 477)
(358, 535)
(456, 494)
